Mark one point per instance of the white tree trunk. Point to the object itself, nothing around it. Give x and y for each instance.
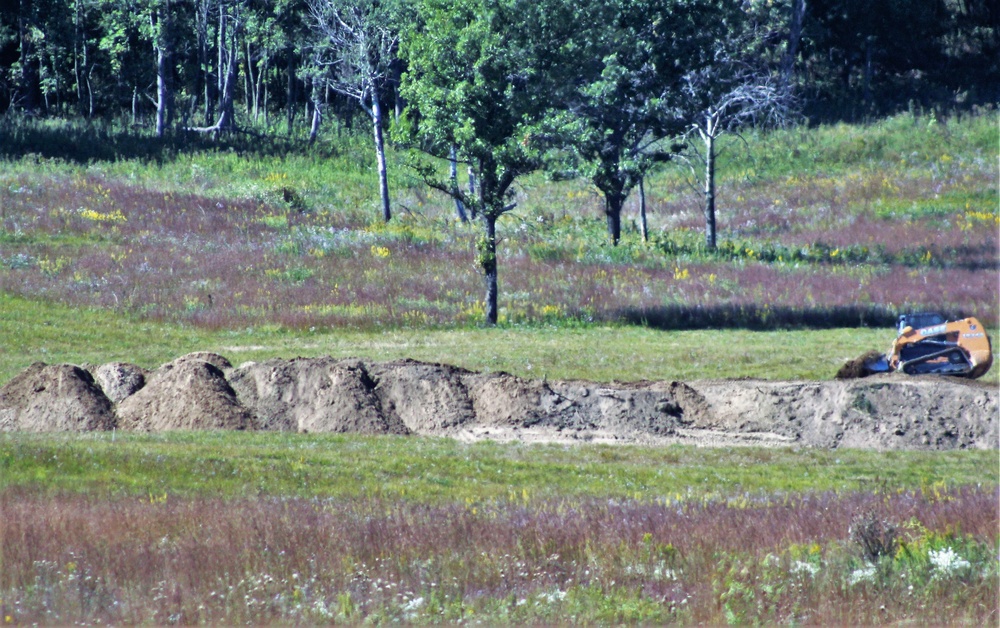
(642, 210)
(162, 89)
(383, 179)
(710, 191)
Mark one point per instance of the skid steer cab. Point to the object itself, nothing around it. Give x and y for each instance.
(929, 344)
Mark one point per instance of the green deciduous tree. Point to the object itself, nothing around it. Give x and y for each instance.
(629, 59)
(480, 79)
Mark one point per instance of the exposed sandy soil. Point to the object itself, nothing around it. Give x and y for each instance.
(204, 391)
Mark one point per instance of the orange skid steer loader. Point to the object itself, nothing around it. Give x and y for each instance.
(928, 344)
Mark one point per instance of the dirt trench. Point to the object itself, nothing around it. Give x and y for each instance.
(205, 391)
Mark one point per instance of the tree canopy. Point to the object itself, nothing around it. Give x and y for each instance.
(478, 75)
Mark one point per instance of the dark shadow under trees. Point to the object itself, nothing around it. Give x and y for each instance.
(90, 142)
(760, 317)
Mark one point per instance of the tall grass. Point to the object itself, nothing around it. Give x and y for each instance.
(222, 528)
(164, 560)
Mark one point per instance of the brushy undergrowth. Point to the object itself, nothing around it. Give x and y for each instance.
(223, 528)
(828, 227)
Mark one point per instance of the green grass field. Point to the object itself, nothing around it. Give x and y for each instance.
(429, 470)
(53, 333)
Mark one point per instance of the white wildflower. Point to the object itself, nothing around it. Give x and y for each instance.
(321, 609)
(410, 608)
(413, 604)
(946, 562)
(662, 572)
(865, 574)
(555, 596)
(804, 567)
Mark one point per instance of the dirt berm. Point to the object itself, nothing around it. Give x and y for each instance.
(204, 391)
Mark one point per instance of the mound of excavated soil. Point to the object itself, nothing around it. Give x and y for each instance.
(854, 369)
(879, 412)
(119, 380)
(186, 394)
(423, 397)
(204, 391)
(54, 398)
(313, 395)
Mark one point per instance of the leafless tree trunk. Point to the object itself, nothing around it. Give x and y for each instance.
(229, 32)
(249, 84)
(202, 13)
(361, 49)
(290, 91)
(90, 94)
(731, 96)
(317, 116)
(161, 28)
(77, 37)
(383, 176)
(710, 155)
(227, 70)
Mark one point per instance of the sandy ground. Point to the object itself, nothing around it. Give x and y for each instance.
(205, 391)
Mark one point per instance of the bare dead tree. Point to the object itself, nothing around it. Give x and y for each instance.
(726, 96)
(360, 46)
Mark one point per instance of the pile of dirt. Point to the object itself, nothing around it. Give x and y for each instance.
(119, 380)
(189, 393)
(856, 368)
(313, 395)
(204, 391)
(54, 398)
(426, 398)
(878, 412)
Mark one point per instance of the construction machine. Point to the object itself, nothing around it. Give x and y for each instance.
(929, 344)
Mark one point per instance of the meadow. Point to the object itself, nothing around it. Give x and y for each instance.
(189, 528)
(114, 246)
(835, 227)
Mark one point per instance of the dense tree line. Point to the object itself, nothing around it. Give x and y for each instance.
(602, 90)
(269, 61)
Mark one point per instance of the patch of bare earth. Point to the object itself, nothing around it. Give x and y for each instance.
(204, 391)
